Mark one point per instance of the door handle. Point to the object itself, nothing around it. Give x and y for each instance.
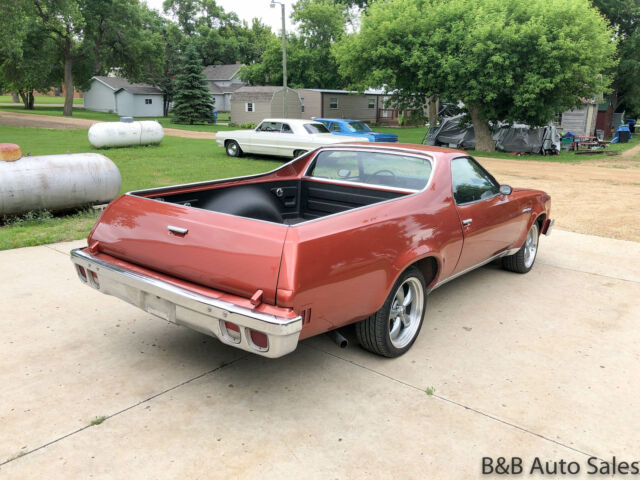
(177, 230)
(467, 221)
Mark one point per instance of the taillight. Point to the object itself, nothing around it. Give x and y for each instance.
(231, 332)
(259, 339)
(82, 273)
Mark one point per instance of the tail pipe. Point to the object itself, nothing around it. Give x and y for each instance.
(338, 338)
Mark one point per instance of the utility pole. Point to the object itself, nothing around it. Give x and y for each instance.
(284, 60)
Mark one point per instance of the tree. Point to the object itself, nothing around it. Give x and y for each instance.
(192, 100)
(624, 17)
(29, 67)
(521, 60)
(310, 61)
(91, 36)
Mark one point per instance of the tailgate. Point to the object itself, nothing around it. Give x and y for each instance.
(233, 254)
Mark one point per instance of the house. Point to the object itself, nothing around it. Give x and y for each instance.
(580, 121)
(117, 95)
(319, 102)
(369, 106)
(251, 104)
(223, 80)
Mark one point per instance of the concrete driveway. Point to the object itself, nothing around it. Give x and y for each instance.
(538, 365)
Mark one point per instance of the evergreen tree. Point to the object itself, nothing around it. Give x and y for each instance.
(192, 102)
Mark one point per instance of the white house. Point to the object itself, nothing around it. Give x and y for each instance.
(223, 80)
(117, 95)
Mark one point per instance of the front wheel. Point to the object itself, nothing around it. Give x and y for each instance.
(392, 330)
(522, 261)
(233, 149)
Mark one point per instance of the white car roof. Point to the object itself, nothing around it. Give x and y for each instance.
(290, 121)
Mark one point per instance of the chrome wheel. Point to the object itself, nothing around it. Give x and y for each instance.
(233, 149)
(405, 314)
(531, 246)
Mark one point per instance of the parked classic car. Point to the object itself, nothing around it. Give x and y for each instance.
(355, 128)
(285, 137)
(344, 234)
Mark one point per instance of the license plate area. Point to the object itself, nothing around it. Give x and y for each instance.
(159, 307)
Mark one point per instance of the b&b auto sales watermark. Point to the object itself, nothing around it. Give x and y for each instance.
(554, 468)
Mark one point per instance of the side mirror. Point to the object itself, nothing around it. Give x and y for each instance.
(505, 190)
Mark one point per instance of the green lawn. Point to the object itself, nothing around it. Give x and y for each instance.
(56, 111)
(174, 161)
(43, 100)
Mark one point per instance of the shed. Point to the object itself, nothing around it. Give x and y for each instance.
(580, 121)
(223, 80)
(604, 119)
(117, 95)
(250, 104)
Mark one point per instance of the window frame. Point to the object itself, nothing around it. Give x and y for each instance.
(148, 101)
(246, 107)
(484, 170)
(331, 103)
(397, 152)
(372, 103)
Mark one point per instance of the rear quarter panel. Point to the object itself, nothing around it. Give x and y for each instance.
(342, 268)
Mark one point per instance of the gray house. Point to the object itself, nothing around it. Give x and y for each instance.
(117, 95)
(253, 104)
(223, 80)
(320, 103)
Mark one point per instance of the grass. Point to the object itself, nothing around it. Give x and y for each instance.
(174, 161)
(43, 100)
(98, 420)
(405, 135)
(166, 122)
(430, 391)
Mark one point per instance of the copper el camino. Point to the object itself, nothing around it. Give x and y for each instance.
(343, 234)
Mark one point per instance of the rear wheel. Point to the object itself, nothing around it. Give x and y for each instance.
(297, 153)
(392, 330)
(233, 149)
(522, 261)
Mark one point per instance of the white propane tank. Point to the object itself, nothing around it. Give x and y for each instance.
(124, 134)
(57, 182)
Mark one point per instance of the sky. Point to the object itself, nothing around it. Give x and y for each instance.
(248, 9)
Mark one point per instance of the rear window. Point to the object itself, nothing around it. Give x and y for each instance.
(315, 128)
(373, 168)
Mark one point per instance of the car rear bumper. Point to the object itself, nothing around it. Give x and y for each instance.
(192, 309)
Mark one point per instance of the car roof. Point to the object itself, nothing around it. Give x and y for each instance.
(441, 151)
(337, 120)
(290, 121)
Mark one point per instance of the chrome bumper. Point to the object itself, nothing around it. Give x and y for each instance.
(184, 307)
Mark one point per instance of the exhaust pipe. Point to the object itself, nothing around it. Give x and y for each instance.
(338, 338)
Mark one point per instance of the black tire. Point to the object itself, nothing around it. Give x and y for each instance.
(375, 333)
(297, 153)
(233, 149)
(522, 261)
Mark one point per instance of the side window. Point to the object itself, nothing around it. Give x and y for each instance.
(333, 103)
(471, 182)
(286, 128)
(335, 127)
(148, 101)
(248, 107)
(372, 103)
(270, 127)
